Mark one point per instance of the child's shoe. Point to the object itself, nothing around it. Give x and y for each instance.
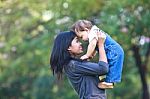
(105, 85)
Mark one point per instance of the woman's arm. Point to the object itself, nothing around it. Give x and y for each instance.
(90, 68)
(101, 40)
(102, 56)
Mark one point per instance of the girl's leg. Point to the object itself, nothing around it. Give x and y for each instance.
(115, 56)
(115, 60)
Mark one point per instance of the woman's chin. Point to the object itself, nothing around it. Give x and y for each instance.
(80, 52)
(81, 49)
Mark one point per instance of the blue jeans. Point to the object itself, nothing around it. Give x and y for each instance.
(115, 57)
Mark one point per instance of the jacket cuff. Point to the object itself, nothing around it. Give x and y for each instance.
(102, 63)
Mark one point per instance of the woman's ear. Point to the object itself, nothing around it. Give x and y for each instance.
(76, 31)
(69, 49)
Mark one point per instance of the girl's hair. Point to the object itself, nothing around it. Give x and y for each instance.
(80, 25)
(60, 55)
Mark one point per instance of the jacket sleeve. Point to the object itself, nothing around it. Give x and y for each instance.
(90, 68)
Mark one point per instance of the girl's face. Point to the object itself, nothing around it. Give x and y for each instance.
(75, 47)
(83, 35)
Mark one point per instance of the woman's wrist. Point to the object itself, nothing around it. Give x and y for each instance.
(102, 54)
(101, 45)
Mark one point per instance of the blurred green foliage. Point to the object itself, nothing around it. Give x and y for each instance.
(27, 31)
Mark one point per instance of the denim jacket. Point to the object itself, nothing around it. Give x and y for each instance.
(83, 76)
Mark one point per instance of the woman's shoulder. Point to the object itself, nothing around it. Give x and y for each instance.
(72, 64)
(75, 61)
(80, 62)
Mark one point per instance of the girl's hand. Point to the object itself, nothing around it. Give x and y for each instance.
(84, 57)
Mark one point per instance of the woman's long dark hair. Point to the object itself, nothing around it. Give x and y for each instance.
(60, 55)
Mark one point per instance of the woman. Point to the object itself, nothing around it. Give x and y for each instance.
(83, 75)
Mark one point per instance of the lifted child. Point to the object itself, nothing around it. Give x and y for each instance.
(115, 54)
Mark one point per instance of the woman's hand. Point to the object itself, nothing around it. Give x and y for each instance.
(101, 38)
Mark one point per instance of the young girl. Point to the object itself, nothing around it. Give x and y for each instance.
(115, 54)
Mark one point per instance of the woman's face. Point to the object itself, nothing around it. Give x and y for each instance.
(75, 47)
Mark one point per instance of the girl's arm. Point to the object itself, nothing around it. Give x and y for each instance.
(90, 49)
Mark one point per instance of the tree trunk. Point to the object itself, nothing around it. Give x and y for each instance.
(142, 71)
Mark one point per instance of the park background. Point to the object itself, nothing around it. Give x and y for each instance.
(27, 31)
